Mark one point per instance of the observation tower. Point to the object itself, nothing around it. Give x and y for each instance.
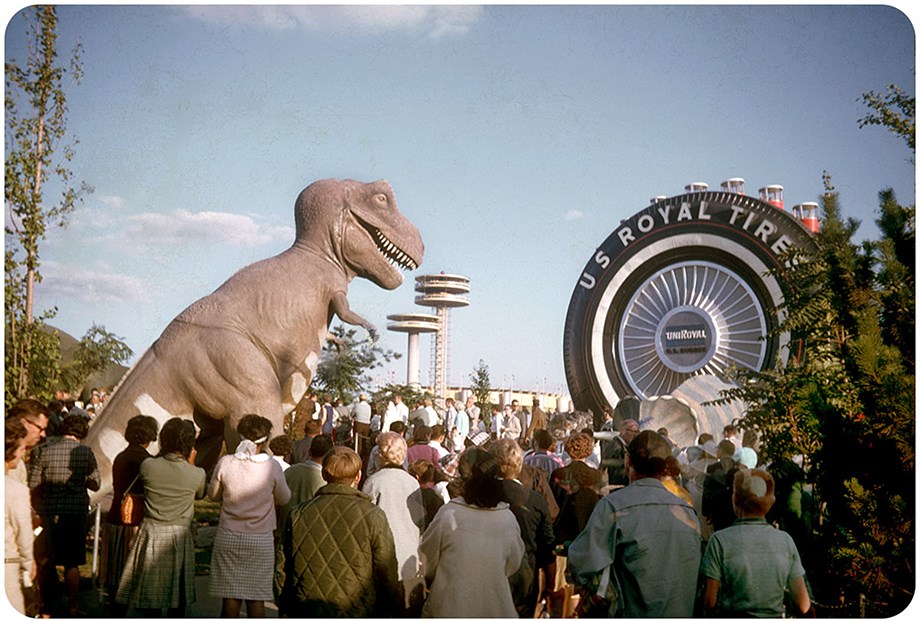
(442, 292)
(413, 324)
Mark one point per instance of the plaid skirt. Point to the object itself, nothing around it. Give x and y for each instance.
(160, 569)
(116, 544)
(242, 566)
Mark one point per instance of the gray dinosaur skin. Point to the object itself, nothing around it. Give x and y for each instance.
(252, 346)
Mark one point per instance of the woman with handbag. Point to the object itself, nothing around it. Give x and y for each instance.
(160, 569)
(118, 532)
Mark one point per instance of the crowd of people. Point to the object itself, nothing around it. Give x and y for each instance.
(408, 510)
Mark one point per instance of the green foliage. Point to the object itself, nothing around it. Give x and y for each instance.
(481, 387)
(894, 110)
(35, 153)
(96, 351)
(31, 351)
(345, 363)
(844, 400)
(410, 394)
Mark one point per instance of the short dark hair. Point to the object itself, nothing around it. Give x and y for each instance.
(480, 473)
(281, 445)
(30, 409)
(177, 436)
(397, 426)
(141, 429)
(319, 446)
(252, 427)
(543, 439)
(423, 470)
(726, 447)
(421, 433)
(74, 425)
(437, 431)
(648, 453)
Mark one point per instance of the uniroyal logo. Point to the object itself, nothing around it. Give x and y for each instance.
(686, 334)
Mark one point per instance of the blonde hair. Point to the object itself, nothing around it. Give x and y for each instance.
(510, 457)
(341, 465)
(392, 448)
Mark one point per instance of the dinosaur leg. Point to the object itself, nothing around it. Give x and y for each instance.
(210, 442)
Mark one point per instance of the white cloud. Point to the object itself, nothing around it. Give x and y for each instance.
(81, 284)
(435, 21)
(182, 226)
(110, 200)
(573, 214)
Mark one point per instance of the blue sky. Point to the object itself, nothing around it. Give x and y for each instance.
(516, 138)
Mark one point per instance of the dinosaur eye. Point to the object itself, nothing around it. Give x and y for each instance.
(381, 198)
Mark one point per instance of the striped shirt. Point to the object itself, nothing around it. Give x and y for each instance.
(547, 462)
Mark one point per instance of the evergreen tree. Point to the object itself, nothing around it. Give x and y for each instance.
(481, 387)
(845, 401)
(845, 397)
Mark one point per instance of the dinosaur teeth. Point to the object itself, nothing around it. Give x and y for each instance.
(393, 253)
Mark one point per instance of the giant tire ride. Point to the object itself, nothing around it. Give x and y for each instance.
(690, 285)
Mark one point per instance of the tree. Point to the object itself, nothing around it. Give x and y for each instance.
(36, 127)
(97, 350)
(846, 403)
(345, 362)
(481, 387)
(409, 393)
(893, 110)
(37, 155)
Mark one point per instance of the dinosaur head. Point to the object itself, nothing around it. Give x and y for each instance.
(368, 234)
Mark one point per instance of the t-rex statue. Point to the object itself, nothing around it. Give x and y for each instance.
(252, 346)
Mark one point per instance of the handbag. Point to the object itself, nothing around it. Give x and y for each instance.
(132, 506)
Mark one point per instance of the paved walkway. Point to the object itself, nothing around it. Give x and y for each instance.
(205, 606)
(92, 598)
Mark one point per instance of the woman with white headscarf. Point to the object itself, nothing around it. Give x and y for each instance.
(248, 484)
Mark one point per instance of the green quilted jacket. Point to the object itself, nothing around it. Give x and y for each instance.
(336, 558)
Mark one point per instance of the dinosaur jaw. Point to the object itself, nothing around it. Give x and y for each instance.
(391, 252)
(377, 257)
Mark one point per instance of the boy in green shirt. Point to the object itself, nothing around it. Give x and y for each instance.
(748, 565)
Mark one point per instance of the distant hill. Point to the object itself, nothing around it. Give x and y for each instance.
(108, 377)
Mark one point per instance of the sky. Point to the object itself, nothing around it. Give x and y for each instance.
(516, 138)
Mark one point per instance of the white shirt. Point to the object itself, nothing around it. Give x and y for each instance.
(391, 416)
(431, 419)
(497, 424)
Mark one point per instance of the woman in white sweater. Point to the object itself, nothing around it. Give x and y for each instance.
(398, 493)
(472, 546)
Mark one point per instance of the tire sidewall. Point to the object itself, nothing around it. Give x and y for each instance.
(739, 233)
